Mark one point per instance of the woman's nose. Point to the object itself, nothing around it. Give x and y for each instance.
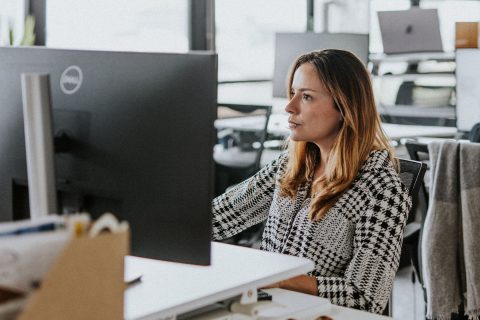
(290, 107)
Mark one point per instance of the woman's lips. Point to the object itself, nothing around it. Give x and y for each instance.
(292, 124)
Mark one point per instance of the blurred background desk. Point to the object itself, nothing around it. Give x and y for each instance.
(278, 125)
(250, 93)
(260, 93)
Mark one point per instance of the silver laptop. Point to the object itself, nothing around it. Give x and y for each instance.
(414, 30)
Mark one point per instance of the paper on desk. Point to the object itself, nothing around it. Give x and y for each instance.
(24, 259)
(14, 225)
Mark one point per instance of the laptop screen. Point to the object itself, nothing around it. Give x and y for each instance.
(414, 30)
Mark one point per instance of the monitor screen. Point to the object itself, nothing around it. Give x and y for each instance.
(138, 139)
(288, 46)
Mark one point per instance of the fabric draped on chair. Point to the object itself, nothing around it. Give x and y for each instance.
(451, 259)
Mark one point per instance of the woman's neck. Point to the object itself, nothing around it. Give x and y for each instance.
(319, 170)
(321, 164)
(324, 151)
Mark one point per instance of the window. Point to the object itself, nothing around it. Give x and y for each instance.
(349, 16)
(450, 12)
(12, 20)
(245, 35)
(133, 25)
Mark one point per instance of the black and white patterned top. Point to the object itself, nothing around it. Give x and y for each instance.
(355, 247)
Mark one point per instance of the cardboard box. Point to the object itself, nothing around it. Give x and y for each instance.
(467, 34)
(85, 282)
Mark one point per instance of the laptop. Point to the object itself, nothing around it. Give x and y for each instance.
(413, 30)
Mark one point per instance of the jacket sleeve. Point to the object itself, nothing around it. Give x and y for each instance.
(369, 276)
(247, 203)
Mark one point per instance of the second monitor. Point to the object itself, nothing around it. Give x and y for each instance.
(288, 46)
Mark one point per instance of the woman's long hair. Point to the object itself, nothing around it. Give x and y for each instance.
(348, 82)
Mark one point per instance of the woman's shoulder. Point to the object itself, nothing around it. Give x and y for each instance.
(381, 173)
(379, 184)
(280, 162)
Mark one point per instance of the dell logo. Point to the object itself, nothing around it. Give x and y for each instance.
(71, 80)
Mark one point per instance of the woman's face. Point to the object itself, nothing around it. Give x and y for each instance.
(313, 115)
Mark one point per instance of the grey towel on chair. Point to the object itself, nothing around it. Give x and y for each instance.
(470, 213)
(440, 237)
(450, 254)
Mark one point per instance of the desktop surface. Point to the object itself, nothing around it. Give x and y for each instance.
(169, 288)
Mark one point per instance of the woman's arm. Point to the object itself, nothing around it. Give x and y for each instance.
(368, 278)
(247, 203)
(303, 283)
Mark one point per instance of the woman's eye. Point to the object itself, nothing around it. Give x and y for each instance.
(292, 93)
(307, 97)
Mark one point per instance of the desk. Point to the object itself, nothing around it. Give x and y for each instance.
(278, 125)
(172, 288)
(250, 93)
(169, 288)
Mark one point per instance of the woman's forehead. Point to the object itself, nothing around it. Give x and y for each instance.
(307, 74)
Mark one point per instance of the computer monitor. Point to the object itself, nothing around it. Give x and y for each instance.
(288, 46)
(135, 135)
(413, 30)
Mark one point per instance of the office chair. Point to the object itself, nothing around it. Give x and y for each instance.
(238, 152)
(474, 134)
(418, 152)
(411, 174)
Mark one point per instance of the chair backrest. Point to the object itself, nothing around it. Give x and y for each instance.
(419, 152)
(474, 135)
(247, 132)
(412, 173)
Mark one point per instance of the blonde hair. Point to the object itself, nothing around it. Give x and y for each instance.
(348, 82)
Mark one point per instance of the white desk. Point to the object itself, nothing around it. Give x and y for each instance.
(253, 93)
(172, 288)
(278, 125)
(412, 57)
(169, 288)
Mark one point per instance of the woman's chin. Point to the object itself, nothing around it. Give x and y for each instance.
(295, 137)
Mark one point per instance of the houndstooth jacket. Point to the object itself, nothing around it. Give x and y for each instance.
(355, 247)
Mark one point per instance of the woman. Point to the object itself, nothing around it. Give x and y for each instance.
(335, 197)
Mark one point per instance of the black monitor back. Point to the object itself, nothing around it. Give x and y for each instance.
(140, 136)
